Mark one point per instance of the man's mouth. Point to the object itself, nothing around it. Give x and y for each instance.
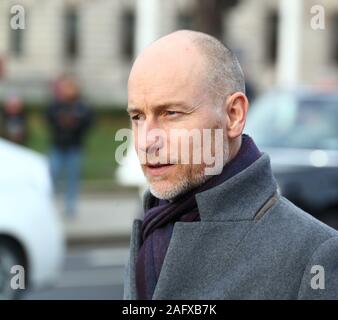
(158, 169)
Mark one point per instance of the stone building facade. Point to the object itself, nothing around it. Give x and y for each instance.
(95, 41)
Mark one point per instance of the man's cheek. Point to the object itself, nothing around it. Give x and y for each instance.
(141, 154)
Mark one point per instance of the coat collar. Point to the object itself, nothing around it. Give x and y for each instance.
(237, 198)
(240, 197)
(237, 202)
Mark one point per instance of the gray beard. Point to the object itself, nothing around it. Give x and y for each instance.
(184, 185)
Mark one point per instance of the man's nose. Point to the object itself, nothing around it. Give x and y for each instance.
(150, 137)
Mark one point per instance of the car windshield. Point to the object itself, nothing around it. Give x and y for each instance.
(285, 121)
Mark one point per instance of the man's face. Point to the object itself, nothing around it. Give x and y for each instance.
(166, 94)
(68, 90)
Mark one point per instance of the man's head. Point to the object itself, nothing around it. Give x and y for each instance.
(186, 80)
(68, 89)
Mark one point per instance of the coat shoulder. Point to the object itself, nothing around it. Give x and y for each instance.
(293, 222)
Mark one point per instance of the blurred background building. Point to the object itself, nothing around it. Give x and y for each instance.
(96, 41)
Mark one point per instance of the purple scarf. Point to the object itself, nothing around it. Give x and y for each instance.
(159, 220)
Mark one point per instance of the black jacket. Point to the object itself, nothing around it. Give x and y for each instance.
(68, 122)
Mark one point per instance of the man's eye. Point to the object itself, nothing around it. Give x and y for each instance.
(135, 117)
(171, 113)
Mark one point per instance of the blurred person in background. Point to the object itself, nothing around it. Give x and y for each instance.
(69, 119)
(14, 121)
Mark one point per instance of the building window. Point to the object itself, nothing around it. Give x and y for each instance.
(71, 33)
(272, 37)
(128, 34)
(334, 37)
(16, 38)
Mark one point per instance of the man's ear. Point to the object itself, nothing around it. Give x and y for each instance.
(236, 106)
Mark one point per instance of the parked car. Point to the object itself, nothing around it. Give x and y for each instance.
(299, 130)
(30, 229)
(129, 173)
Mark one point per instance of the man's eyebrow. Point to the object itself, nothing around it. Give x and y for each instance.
(133, 110)
(187, 108)
(159, 107)
(173, 104)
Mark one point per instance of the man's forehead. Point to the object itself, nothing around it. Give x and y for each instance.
(166, 73)
(162, 94)
(164, 67)
(172, 55)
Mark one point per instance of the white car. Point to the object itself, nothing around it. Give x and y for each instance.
(30, 229)
(129, 173)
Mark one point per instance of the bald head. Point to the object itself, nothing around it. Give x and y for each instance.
(202, 55)
(223, 71)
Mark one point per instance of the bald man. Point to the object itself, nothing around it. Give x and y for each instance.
(215, 226)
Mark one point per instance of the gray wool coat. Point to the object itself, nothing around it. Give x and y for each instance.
(251, 243)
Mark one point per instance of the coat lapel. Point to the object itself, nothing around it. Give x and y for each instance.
(197, 258)
(200, 253)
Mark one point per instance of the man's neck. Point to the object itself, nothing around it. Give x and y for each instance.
(234, 147)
